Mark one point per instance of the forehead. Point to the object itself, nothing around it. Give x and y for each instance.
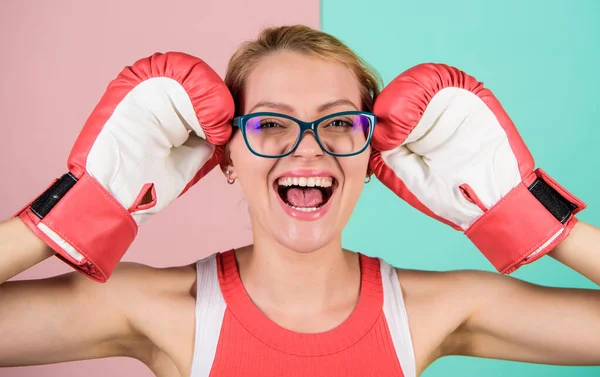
(301, 81)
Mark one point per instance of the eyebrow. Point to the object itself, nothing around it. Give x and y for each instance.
(273, 105)
(338, 102)
(287, 108)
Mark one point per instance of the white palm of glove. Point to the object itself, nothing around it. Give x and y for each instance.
(153, 139)
(458, 141)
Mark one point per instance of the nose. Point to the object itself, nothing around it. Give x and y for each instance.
(308, 147)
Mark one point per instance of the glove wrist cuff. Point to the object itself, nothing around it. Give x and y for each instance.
(526, 224)
(83, 224)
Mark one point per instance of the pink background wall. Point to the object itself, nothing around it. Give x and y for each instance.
(57, 58)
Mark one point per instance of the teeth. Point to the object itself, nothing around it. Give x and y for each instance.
(305, 181)
(305, 209)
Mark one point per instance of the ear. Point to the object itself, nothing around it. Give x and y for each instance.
(227, 165)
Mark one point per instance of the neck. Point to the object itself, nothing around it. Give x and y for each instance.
(302, 283)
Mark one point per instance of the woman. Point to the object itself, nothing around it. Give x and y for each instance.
(294, 302)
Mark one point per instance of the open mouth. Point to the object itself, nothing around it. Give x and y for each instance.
(306, 194)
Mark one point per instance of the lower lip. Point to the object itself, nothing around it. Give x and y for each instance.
(306, 216)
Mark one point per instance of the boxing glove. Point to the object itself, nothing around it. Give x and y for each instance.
(446, 146)
(159, 128)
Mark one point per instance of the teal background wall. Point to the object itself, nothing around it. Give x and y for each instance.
(542, 60)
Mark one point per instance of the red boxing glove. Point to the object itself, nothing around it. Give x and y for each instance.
(158, 129)
(445, 145)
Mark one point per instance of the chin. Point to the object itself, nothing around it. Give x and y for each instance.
(306, 236)
(304, 246)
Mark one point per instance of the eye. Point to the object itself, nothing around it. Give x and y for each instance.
(269, 124)
(340, 123)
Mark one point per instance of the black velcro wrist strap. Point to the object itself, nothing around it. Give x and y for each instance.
(45, 202)
(555, 203)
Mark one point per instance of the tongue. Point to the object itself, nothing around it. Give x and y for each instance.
(304, 197)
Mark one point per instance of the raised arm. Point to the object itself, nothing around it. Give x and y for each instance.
(63, 318)
(509, 319)
(20, 249)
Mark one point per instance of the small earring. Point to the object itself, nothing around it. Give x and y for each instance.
(368, 179)
(229, 180)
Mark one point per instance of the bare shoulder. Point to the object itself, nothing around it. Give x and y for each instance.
(455, 293)
(439, 302)
(459, 282)
(146, 291)
(159, 304)
(462, 290)
(132, 282)
(140, 312)
(155, 280)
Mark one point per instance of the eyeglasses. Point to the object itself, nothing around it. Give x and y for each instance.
(274, 135)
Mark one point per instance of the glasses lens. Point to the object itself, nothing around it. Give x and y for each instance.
(271, 135)
(344, 134)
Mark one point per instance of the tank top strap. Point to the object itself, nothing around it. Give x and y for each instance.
(397, 318)
(210, 310)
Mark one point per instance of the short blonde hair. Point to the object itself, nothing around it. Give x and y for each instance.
(302, 39)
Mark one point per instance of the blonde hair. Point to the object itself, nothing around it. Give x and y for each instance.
(302, 39)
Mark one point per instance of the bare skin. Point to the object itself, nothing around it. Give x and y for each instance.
(148, 313)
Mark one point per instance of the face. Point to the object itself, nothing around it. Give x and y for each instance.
(306, 88)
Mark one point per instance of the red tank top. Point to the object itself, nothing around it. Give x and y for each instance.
(250, 344)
